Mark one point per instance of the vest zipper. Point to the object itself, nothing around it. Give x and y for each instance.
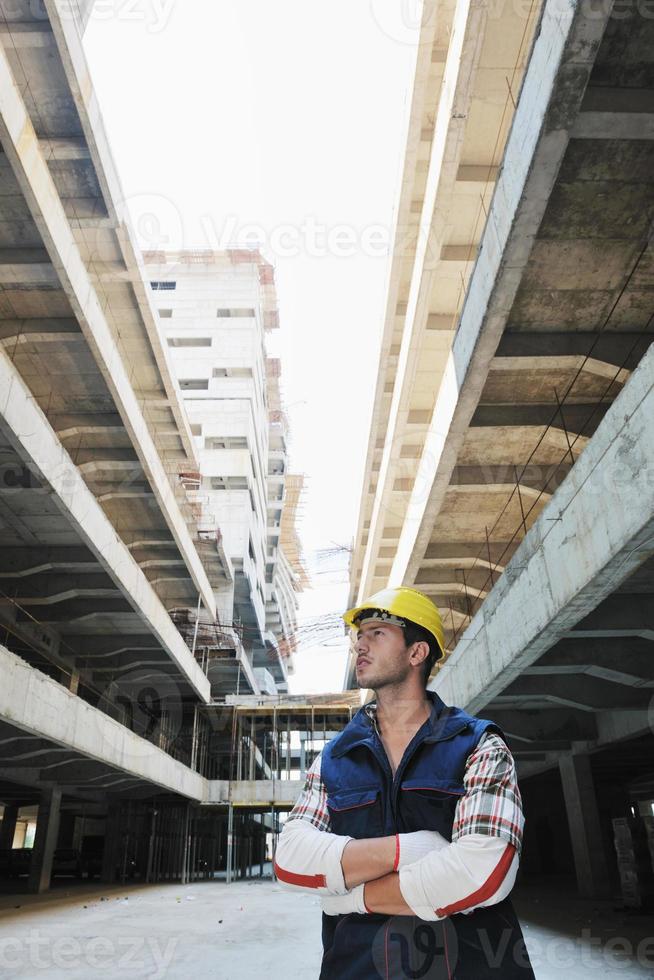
(379, 754)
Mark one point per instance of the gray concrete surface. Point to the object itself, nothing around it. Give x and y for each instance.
(570, 937)
(256, 929)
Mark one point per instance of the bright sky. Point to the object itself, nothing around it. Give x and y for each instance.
(283, 123)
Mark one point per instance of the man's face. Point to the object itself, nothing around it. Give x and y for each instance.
(382, 655)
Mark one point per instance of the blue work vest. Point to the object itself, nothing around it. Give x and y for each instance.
(365, 800)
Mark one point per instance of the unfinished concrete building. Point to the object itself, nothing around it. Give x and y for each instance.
(509, 470)
(215, 309)
(135, 599)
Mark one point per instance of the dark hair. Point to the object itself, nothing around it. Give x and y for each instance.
(418, 634)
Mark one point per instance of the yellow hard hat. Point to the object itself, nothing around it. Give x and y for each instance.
(407, 604)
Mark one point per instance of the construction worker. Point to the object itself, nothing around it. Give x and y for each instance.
(410, 823)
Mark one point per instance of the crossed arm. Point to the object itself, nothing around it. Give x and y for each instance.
(371, 863)
(375, 862)
(412, 874)
(367, 860)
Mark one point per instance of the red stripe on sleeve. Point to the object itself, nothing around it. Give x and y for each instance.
(489, 887)
(396, 862)
(305, 881)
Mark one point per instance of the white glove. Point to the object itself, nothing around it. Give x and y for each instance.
(410, 848)
(344, 904)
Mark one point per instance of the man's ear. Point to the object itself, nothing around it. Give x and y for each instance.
(419, 652)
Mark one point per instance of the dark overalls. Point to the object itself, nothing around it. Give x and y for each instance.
(364, 800)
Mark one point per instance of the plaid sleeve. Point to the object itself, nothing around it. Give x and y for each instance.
(491, 804)
(311, 804)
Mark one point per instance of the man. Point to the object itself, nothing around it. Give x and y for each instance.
(410, 822)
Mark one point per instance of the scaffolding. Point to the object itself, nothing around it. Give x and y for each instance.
(258, 750)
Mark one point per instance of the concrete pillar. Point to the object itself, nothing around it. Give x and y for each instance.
(45, 840)
(186, 824)
(73, 681)
(111, 844)
(584, 824)
(230, 842)
(8, 827)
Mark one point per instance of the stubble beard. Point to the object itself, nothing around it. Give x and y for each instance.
(379, 682)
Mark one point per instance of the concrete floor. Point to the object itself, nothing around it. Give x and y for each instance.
(568, 937)
(256, 929)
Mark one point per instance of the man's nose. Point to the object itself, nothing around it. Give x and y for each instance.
(361, 645)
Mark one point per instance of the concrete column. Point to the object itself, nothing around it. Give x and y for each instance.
(45, 841)
(111, 844)
(73, 681)
(230, 842)
(584, 824)
(303, 756)
(8, 827)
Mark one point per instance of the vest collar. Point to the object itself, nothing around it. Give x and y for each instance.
(443, 723)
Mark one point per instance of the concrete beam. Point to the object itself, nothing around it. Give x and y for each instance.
(618, 615)
(578, 669)
(583, 690)
(567, 364)
(613, 126)
(253, 792)
(459, 253)
(447, 585)
(450, 552)
(441, 321)
(28, 274)
(532, 477)
(19, 563)
(102, 646)
(30, 168)
(582, 419)
(437, 578)
(47, 588)
(477, 173)
(39, 330)
(22, 257)
(621, 661)
(40, 706)
(38, 446)
(536, 726)
(68, 148)
(618, 726)
(69, 611)
(72, 425)
(32, 34)
(609, 347)
(574, 556)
